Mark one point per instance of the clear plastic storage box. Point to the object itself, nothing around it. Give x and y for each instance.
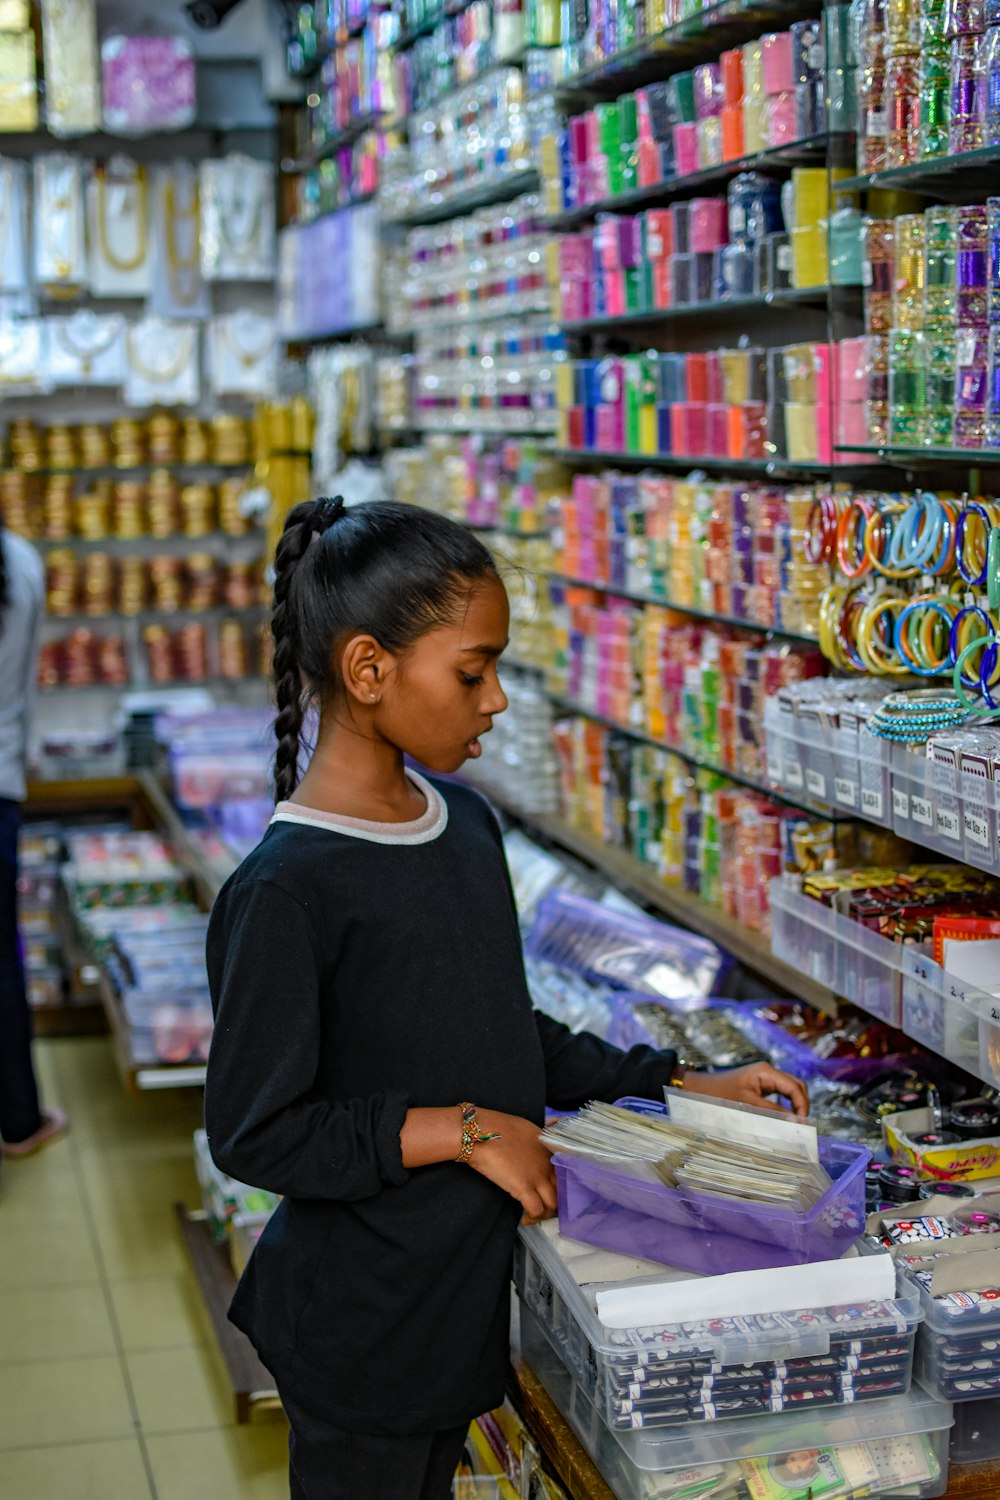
(975, 1437)
(704, 1233)
(709, 1374)
(899, 984)
(958, 1352)
(640, 1465)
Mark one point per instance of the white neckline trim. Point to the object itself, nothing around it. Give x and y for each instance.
(423, 830)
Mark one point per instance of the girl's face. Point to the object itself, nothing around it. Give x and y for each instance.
(442, 696)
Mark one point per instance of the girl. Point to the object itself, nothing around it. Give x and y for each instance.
(376, 1058)
(25, 1126)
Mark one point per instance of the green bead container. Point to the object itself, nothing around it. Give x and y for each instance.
(940, 260)
(907, 387)
(939, 366)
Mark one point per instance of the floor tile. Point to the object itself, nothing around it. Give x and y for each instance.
(63, 1401)
(40, 1190)
(235, 1463)
(177, 1390)
(132, 1204)
(40, 1256)
(80, 1471)
(159, 1312)
(54, 1323)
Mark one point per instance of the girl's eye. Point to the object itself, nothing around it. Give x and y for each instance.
(470, 681)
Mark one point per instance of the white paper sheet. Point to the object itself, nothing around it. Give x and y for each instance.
(825, 1283)
(741, 1123)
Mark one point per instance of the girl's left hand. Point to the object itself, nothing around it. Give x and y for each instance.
(751, 1085)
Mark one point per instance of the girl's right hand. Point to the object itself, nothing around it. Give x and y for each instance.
(518, 1163)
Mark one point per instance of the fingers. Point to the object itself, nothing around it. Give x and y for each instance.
(535, 1208)
(775, 1081)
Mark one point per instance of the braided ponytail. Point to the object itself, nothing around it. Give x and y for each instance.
(302, 524)
(383, 569)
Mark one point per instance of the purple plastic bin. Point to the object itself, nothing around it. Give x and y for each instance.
(627, 1029)
(630, 953)
(700, 1232)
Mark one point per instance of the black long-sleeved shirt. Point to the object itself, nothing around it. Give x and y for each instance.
(359, 970)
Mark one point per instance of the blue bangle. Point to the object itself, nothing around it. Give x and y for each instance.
(973, 508)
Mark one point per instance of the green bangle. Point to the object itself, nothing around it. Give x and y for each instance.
(993, 568)
(975, 706)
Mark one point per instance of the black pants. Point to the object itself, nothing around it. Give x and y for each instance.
(327, 1463)
(20, 1115)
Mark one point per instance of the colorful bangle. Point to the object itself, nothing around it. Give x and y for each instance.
(917, 656)
(993, 568)
(876, 633)
(973, 573)
(472, 1135)
(958, 675)
(852, 529)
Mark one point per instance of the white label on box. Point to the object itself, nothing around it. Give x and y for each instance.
(793, 774)
(965, 351)
(871, 802)
(900, 803)
(921, 811)
(977, 829)
(867, 276)
(847, 791)
(948, 824)
(816, 784)
(783, 259)
(774, 769)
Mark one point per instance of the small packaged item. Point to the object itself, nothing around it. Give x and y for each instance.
(148, 83)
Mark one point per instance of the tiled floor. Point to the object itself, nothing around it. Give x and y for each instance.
(111, 1387)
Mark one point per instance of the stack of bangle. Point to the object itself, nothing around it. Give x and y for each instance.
(911, 717)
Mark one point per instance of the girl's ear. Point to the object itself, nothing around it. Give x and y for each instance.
(364, 667)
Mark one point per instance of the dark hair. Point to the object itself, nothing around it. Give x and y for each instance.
(384, 569)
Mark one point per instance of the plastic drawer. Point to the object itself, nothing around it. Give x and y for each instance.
(958, 1352)
(841, 954)
(630, 1462)
(632, 1374)
(874, 775)
(975, 1437)
(942, 1013)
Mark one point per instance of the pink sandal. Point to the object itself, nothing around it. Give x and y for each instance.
(54, 1124)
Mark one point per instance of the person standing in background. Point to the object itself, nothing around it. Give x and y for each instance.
(24, 1125)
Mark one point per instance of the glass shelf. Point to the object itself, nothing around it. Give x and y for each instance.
(889, 453)
(346, 136)
(699, 38)
(792, 296)
(482, 195)
(797, 153)
(734, 621)
(686, 463)
(951, 177)
(693, 758)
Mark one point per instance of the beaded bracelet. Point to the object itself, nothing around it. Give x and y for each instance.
(912, 717)
(472, 1135)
